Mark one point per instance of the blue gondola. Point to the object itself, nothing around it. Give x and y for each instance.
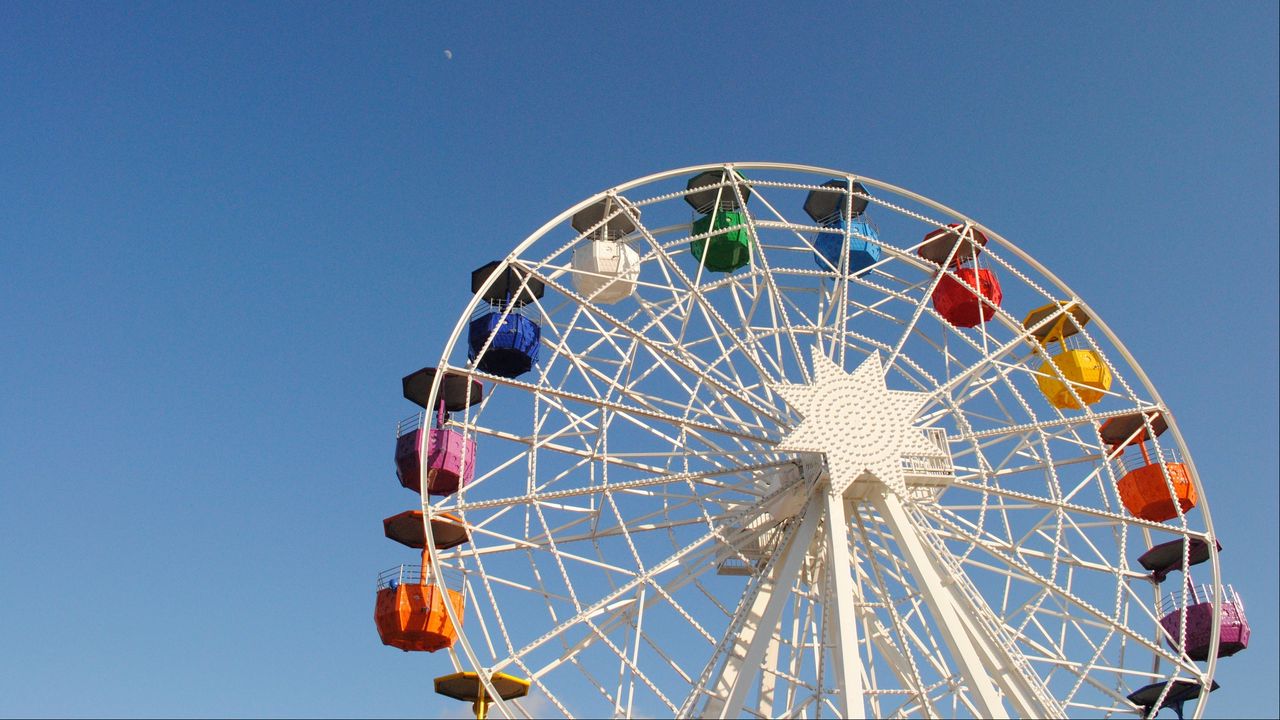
(864, 251)
(829, 206)
(514, 348)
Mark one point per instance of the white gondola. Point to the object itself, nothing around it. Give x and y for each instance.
(606, 271)
(606, 268)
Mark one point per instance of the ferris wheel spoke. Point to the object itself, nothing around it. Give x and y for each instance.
(992, 359)
(844, 319)
(1020, 445)
(553, 549)
(1068, 439)
(613, 406)
(1081, 678)
(656, 520)
(606, 624)
(534, 590)
(1003, 471)
(982, 387)
(886, 298)
(631, 667)
(777, 301)
(988, 542)
(968, 416)
(1083, 419)
(990, 466)
(769, 362)
(730, 414)
(1037, 529)
(675, 560)
(1054, 505)
(685, 345)
(849, 335)
(654, 403)
(751, 325)
(978, 386)
(696, 293)
(1093, 547)
(922, 304)
(704, 414)
(663, 354)
(699, 408)
(619, 614)
(697, 306)
(1069, 599)
(618, 460)
(557, 344)
(809, 326)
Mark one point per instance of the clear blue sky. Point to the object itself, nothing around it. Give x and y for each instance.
(227, 230)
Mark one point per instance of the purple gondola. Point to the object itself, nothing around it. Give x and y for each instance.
(1233, 627)
(450, 455)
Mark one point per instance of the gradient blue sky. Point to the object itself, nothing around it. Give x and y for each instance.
(227, 230)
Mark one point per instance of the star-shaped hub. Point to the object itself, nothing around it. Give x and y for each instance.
(862, 427)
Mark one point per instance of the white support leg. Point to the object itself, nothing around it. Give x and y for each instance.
(747, 654)
(964, 651)
(842, 614)
(1027, 695)
(1005, 664)
(1001, 669)
(768, 679)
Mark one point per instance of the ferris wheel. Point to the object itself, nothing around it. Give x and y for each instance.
(772, 440)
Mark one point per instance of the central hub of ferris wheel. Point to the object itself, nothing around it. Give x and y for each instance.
(864, 429)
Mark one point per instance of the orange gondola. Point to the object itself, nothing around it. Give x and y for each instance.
(410, 612)
(1155, 491)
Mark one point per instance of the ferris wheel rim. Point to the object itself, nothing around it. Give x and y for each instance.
(1107, 333)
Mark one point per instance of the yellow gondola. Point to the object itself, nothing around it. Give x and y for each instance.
(1074, 372)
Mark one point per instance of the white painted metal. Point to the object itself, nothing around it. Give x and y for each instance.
(747, 652)
(861, 427)
(1001, 661)
(936, 594)
(768, 677)
(843, 633)
(980, 563)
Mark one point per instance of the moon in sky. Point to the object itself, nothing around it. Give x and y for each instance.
(448, 54)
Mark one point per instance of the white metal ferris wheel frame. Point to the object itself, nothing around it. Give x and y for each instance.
(965, 644)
